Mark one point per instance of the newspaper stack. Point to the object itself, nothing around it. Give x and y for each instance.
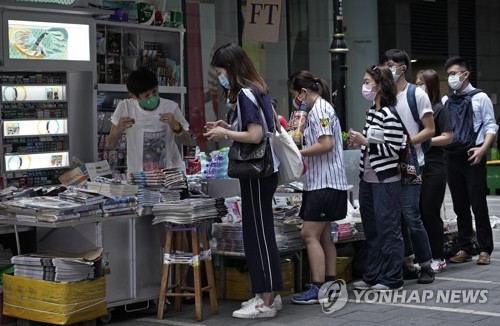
(47, 209)
(58, 266)
(185, 211)
(112, 189)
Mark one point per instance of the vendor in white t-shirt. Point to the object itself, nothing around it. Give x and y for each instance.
(150, 124)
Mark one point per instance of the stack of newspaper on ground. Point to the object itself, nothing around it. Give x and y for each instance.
(58, 266)
(187, 211)
(47, 209)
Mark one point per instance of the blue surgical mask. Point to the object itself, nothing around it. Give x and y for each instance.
(224, 81)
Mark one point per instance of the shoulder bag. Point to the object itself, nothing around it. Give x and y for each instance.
(251, 161)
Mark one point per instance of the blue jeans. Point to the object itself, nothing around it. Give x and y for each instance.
(410, 202)
(381, 215)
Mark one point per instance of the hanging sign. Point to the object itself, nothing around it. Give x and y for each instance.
(262, 20)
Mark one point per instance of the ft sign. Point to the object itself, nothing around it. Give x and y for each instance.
(262, 20)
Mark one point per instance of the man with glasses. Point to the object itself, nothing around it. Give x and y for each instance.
(399, 62)
(467, 171)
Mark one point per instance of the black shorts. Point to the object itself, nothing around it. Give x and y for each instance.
(324, 205)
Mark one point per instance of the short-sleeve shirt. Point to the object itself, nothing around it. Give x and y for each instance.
(423, 105)
(250, 113)
(325, 170)
(150, 142)
(435, 158)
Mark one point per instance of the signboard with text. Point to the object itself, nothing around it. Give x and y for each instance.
(262, 20)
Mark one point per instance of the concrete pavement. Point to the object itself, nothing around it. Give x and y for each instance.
(440, 303)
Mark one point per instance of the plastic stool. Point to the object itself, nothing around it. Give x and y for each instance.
(174, 256)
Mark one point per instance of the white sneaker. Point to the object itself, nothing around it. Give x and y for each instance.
(384, 288)
(251, 312)
(362, 285)
(417, 267)
(438, 265)
(257, 301)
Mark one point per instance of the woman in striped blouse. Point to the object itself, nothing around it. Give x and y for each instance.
(381, 141)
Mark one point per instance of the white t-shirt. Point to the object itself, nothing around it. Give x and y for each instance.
(150, 142)
(423, 105)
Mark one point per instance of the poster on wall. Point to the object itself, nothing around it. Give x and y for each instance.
(48, 41)
(262, 20)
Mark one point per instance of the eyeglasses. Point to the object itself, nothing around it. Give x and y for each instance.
(390, 65)
(453, 73)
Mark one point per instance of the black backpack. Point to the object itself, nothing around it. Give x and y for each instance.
(462, 122)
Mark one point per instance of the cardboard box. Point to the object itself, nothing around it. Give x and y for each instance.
(5, 319)
(238, 283)
(59, 303)
(344, 268)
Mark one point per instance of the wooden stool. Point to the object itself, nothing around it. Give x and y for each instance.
(172, 258)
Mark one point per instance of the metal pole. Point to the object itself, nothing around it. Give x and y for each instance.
(338, 53)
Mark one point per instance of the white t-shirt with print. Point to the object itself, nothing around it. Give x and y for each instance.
(423, 105)
(150, 142)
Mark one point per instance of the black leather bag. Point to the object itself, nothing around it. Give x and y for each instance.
(251, 161)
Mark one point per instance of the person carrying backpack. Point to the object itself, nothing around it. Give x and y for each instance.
(469, 110)
(399, 62)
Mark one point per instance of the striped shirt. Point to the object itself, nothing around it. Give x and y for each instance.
(326, 170)
(384, 158)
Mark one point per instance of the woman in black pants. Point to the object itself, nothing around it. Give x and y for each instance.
(435, 169)
(244, 87)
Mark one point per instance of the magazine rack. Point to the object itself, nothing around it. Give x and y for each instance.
(175, 255)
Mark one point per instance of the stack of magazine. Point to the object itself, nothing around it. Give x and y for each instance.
(58, 266)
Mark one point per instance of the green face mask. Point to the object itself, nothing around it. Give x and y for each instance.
(151, 103)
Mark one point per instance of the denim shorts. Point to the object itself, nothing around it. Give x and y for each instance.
(324, 205)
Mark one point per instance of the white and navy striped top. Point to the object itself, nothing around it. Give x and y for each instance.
(326, 170)
(384, 158)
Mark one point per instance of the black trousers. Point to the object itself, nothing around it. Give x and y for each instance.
(431, 199)
(259, 240)
(468, 189)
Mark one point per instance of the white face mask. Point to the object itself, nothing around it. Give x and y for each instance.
(423, 87)
(395, 75)
(454, 81)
